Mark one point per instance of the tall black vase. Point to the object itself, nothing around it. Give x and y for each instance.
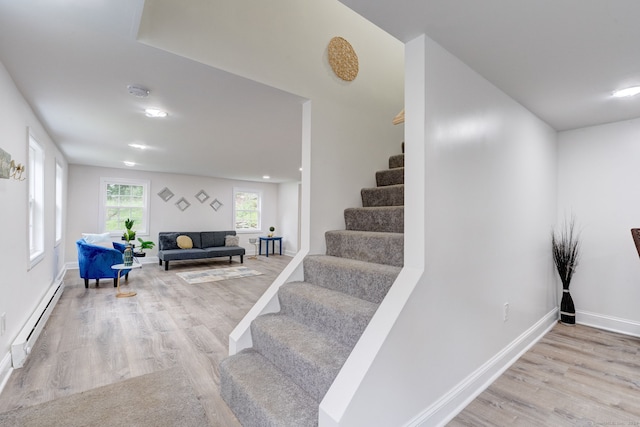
(567, 309)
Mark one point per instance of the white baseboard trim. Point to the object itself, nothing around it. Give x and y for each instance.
(5, 370)
(448, 406)
(608, 323)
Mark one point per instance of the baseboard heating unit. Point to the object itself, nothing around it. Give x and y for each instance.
(23, 343)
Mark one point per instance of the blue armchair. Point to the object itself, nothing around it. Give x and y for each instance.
(95, 262)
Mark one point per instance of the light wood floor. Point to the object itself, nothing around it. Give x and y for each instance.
(93, 338)
(574, 376)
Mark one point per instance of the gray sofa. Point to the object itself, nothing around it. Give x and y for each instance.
(206, 244)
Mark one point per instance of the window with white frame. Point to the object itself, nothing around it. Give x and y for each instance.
(59, 192)
(122, 199)
(36, 201)
(247, 210)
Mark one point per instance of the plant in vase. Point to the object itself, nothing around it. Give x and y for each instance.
(129, 234)
(271, 229)
(144, 244)
(566, 251)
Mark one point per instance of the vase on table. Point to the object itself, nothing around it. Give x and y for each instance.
(128, 256)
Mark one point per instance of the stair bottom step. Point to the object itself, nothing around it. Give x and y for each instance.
(261, 395)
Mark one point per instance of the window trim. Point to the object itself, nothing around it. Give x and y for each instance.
(35, 201)
(140, 231)
(247, 190)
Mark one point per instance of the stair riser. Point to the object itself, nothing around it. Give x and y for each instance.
(345, 326)
(384, 220)
(248, 411)
(390, 177)
(259, 395)
(396, 161)
(383, 196)
(313, 378)
(370, 282)
(381, 248)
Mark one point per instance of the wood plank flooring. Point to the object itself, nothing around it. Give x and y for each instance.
(573, 376)
(93, 338)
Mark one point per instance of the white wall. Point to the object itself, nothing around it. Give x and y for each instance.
(483, 171)
(84, 194)
(289, 217)
(283, 43)
(597, 184)
(21, 288)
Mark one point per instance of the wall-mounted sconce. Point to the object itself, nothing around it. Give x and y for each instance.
(16, 171)
(9, 168)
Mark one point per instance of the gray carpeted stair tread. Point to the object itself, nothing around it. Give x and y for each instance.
(390, 195)
(342, 316)
(364, 280)
(369, 246)
(389, 219)
(396, 161)
(261, 395)
(312, 359)
(390, 177)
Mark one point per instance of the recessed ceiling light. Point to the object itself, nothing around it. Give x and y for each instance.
(300, 169)
(138, 91)
(154, 112)
(266, 177)
(630, 91)
(138, 146)
(130, 164)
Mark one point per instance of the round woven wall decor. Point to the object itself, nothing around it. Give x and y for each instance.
(343, 59)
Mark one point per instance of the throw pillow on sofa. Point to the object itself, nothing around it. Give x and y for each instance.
(231, 240)
(184, 242)
(169, 241)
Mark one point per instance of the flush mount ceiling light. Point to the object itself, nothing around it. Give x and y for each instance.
(154, 112)
(138, 91)
(138, 146)
(624, 93)
(266, 177)
(130, 164)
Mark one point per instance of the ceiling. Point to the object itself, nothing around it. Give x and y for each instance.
(73, 59)
(561, 59)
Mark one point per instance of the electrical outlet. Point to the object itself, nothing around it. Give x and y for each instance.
(3, 324)
(505, 312)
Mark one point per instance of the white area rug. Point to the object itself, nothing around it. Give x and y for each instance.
(217, 274)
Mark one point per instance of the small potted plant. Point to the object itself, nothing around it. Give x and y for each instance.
(129, 234)
(271, 229)
(144, 244)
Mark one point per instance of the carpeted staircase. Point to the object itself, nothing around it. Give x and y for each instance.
(298, 352)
